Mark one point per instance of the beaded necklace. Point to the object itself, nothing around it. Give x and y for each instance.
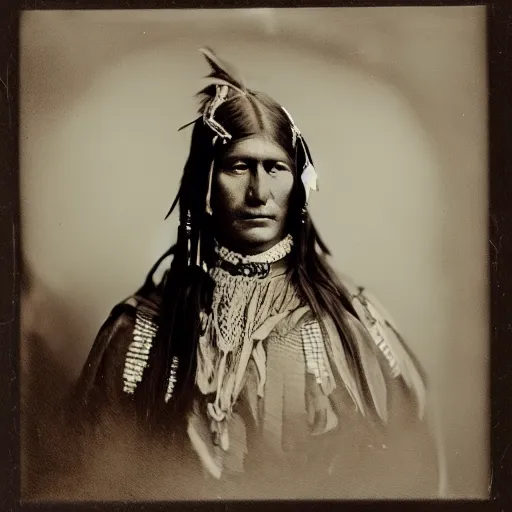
(253, 265)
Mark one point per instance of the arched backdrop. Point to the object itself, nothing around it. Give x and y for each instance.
(393, 104)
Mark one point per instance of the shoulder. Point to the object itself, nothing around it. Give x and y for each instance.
(123, 319)
(404, 368)
(122, 343)
(367, 306)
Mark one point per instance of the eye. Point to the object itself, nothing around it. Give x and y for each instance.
(279, 167)
(239, 166)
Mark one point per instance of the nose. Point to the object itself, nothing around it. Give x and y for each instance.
(259, 190)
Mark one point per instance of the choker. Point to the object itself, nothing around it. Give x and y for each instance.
(253, 265)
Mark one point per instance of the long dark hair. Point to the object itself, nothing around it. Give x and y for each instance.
(187, 288)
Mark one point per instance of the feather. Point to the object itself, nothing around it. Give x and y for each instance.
(222, 70)
(309, 175)
(220, 81)
(309, 180)
(384, 332)
(342, 364)
(188, 124)
(371, 366)
(409, 368)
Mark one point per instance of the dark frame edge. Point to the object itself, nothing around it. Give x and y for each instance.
(499, 43)
(9, 258)
(499, 50)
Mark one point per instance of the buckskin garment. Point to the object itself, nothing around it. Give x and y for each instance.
(289, 422)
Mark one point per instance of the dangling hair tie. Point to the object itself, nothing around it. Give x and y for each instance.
(188, 234)
(208, 207)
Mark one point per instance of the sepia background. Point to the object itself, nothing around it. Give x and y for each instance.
(392, 102)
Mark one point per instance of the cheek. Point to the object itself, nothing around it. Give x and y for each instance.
(283, 190)
(226, 193)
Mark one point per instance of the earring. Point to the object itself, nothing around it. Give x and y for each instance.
(303, 214)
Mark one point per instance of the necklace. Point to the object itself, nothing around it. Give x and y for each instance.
(253, 265)
(275, 253)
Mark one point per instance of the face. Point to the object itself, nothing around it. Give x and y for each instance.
(251, 189)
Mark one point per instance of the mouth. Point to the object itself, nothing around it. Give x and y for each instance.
(255, 220)
(255, 216)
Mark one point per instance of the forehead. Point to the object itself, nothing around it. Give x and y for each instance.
(256, 148)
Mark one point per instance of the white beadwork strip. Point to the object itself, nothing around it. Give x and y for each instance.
(375, 327)
(137, 355)
(384, 348)
(172, 379)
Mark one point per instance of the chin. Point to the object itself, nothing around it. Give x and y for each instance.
(259, 239)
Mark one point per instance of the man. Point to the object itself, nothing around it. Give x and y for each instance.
(250, 363)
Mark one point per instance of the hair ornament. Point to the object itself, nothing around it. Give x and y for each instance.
(188, 234)
(222, 71)
(209, 112)
(309, 176)
(295, 131)
(189, 124)
(303, 214)
(208, 207)
(222, 79)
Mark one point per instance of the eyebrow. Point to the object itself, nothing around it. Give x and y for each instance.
(251, 158)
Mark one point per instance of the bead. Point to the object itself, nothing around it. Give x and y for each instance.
(279, 251)
(172, 379)
(137, 355)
